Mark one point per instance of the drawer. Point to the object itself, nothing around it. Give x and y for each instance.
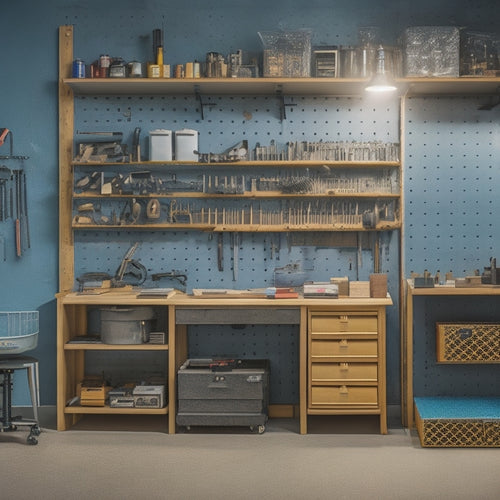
(344, 347)
(237, 316)
(331, 323)
(333, 372)
(343, 395)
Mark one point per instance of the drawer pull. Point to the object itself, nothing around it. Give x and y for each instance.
(344, 367)
(344, 323)
(343, 344)
(344, 391)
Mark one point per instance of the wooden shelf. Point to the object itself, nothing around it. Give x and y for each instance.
(463, 86)
(249, 163)
(240, 228)
(115, 347)
(246, 195)
(106, 410)
(287, 86)
(226, 86)
(450, 290)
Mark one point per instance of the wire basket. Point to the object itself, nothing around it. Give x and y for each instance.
(18, 331)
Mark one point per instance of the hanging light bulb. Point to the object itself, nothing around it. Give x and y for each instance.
(380, 82)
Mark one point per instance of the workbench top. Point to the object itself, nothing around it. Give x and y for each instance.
(181, 299)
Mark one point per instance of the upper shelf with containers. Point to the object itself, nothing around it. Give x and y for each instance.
(428, 60)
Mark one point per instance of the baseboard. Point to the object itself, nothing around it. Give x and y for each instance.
(48, 414)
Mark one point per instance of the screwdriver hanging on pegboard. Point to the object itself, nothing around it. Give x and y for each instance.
(21, 223)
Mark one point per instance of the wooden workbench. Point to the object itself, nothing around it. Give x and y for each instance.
(337, 337)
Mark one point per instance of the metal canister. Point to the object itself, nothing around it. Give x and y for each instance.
(104, 64)
(78, 69)
(117, 68)
(134, 69)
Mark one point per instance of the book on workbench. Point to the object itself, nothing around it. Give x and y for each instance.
(281, 293)
(226, 293)
(321, 289)
(146, 293)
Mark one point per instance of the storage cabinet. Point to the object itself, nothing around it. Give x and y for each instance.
(75, 346)
(469, 377)
(346, 363)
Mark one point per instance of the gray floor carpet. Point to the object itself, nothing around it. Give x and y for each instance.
(345, 463)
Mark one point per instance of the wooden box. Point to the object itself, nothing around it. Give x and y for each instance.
(359, 289)
(343, 284)
(378, 285)
(447, 422)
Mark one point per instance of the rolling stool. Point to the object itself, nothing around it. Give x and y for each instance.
(8, 365)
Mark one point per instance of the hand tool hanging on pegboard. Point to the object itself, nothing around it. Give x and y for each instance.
(4, 133)
(5, 176)
(21, 223)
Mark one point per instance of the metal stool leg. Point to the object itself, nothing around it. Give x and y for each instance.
(32, 369)
(6, 400)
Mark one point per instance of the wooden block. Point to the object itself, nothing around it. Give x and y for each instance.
(468, 282)
(343, 284)
(378, 285)
(359, 289)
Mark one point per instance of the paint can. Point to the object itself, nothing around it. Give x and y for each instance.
(104, 64)
(78, 69)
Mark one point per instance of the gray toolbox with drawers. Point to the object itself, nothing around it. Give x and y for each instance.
(223, 393)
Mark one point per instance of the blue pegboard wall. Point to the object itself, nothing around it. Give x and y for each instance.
(451, 224)
(260, 256)
(451, 179)
(256, 119)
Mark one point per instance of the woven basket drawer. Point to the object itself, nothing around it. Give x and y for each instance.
(468, 342)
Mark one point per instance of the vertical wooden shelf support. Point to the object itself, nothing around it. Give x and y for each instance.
(66, 129)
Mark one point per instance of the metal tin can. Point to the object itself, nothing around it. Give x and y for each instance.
(117, 68)
(104, 63)
(78, 69)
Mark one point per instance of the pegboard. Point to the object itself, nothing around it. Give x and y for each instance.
(450, 184)
(451, 224)
(262, 259)
(434, 379)
(231, 119)
(120, 367)
(227, 121)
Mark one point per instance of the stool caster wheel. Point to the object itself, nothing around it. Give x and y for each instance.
(35, 430)
(259, 429)
(32, 440)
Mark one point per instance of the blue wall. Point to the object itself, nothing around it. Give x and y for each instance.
(452, 149)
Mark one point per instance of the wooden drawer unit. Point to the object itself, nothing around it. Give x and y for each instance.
(333, 373)
(345, 347)
(325, 323)
(343, 395)
(346, 363)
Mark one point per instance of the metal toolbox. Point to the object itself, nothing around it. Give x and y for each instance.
(223, 393)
